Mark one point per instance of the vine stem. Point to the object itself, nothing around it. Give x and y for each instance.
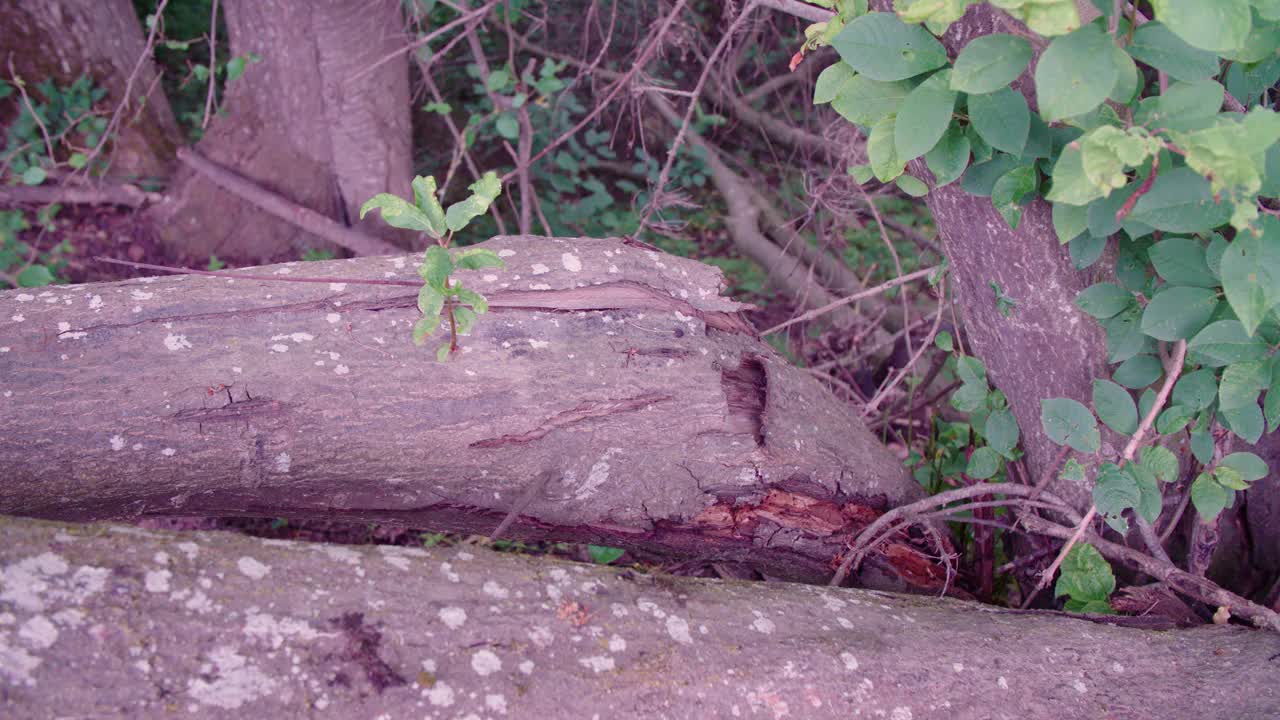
(1171, 373)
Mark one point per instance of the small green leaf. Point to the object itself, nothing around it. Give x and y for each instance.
(884, 48)
(477, 259)
(1215, 25)
(948, 159)
(863, 101)
(882, 152)
(1104, 300)
(1173, 419)
(1069, 221)
(971, 371)
(1116, 490)
(1067, 422)
(1249, 466)
(1071, 186)
(397, 212)
(1230, 478)
(1202, 446)
(1150, 501)
(911, 185)
(1160, 462)
(1241, 384)
(36, 275)
(1224, 342)
(1196, 390)
(1072, 471)
(924, 117)
(1180, 201)
(474, 299)
(442, 353)
(1246, 422)
(602, 555)
(1178, 313)
(430, 303)
(424, 197)
(424, 327)
(1208, 496)
(77, 160)
(1001, 431)
(1115, 407)
(990, 62)
(943, 341)
(1075, 73)
(497, 80)
(1138, 372)
(507, 126)
(1155, 45)
(34, 175)
(436, 267)
(831, 81)
(483, 192)
(1251, 274)
(1124, 335)
(984, 463)
(464, 318)
(1002, 118)
(1085, 575)
(1181, 261)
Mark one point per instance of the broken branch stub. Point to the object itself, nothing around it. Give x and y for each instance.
(668, 424)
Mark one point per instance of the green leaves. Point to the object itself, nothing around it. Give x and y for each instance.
(1104, 300)
(948, 159)
(1209, 497)
(1067, 422)
(924, 116)
(882, 151)
(864, 101)
(884, 48)
(1181, 261)
(1075, 74)
(1115, 407)
(1087, 579)
(483, 192)
(989, 63)
(1218, 25)
(831, 81)
(1212, 492)
(1178, 313)
(1002, 119)
(1157, 46)
(1251, 274)
(396, 212)
(1180, 201)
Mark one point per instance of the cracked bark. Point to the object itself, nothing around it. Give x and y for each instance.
(120, 622)
(620, 369)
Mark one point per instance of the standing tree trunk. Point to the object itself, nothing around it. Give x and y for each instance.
(322, 119)
(65, 39)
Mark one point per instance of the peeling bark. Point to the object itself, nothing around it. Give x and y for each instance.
(619, 369)
(100, 621)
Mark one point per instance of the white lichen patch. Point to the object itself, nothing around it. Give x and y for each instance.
(174, 343)
(539, 269)
(541, 635)
(274, 629)
(1002, 683)
(117, 443)
(571, 262)
(489, 277)
(16, 664)
(850, 662)
(341, 370)
(763, 624)
(337, 287)
(283, 462)
(280, 348)
(526, 667)
(597, 476)
(141, 295)
(253, 568)
(333, 318)
(539, 286)
(235, 682)
(597, 663)
(486, 662)
(452, 617)
(617, 643)
(189, 549)
(678, 629)
(957, 667)
(342, 554)
(298, 337)
(18, 317)
(496, 703)
(64, 332)
(506, 252)
(168, 452)
(900, 713)
(283, 271)
(38, 632)
(157, 581)
(538, 344)
(25, 297)
(446, 569)
(95, 303)
(440, 694)
(495, 590)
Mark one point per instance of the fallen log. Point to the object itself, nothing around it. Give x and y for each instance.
(110, 621)
(618, 374)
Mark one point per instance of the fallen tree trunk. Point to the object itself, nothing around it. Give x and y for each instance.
(116, 621)
(612, 396)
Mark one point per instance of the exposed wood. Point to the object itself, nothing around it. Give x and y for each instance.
(104, 621)
(668, 424)
(105, 194)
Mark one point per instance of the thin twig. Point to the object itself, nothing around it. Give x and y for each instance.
(478, 13)
(848, 299)
(213, 62)
(911, 363)
(26, 100)
(1171, 372)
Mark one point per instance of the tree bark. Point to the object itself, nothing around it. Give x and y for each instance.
(64, 39)
(664, 422)
(322, 119)
(118, 621)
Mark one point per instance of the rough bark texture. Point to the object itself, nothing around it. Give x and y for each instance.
(314, 121)
(664, 422)
(64, 39)
(101, 621)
